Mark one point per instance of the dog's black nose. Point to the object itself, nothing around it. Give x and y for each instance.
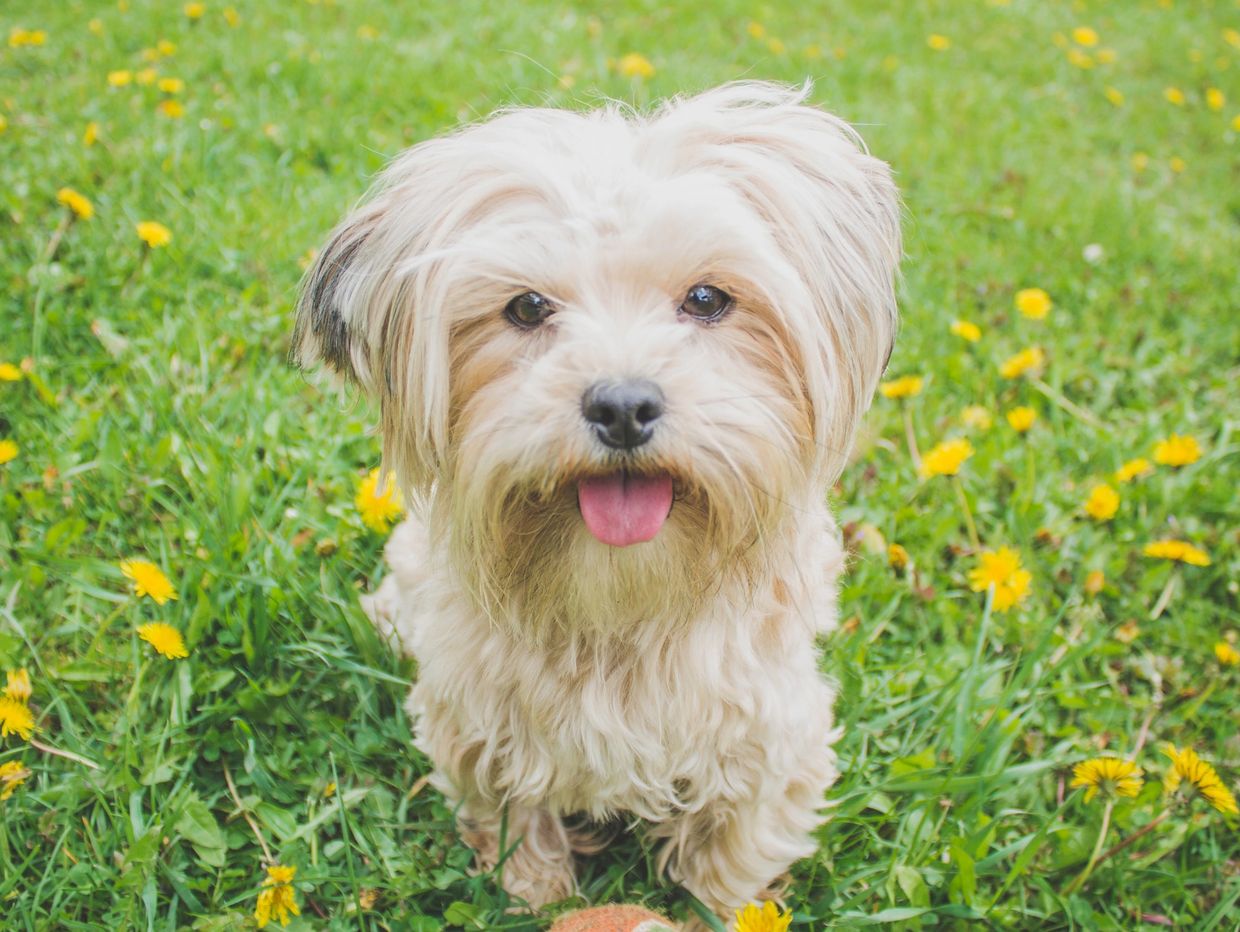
(623, 413)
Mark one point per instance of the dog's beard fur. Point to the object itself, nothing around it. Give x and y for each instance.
(614, 217)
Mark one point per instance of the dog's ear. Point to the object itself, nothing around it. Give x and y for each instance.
(834, 213)
(369, 309)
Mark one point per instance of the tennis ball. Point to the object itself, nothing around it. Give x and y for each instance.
(613, 919)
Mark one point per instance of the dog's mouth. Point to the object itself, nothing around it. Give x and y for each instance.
(622, 508)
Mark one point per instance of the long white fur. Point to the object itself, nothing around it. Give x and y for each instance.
(675, 681)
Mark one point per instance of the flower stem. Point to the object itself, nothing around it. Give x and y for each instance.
(1095, 857)
(236, 797)
(968, 515)
(1164, 597)
(911, 437)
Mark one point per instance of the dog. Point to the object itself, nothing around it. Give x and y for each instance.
(619, 360)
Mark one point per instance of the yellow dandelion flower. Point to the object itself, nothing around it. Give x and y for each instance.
(171, 108)
(1083, 35)
(232, 17)
(171, 85)
(95, 26)
(1095, 581)
(1232, 37)
(966, 330)
(1026, 361)
(946, 458)
(378, 507)
(1173, 95)
(9, 372)
(1187, 767)
(1103, 502)
(938, 42)
(1134, 469)
(91, 135)
(76, 202)
(757, 30)
(19, 37)
(15, 719)
(1001, 568)
(1177, 164)
(17, 686)
(4, 122)
(976, 416)
(904, 387)
(776, 46)
(1034, 303)
(1177, 450)
(146, 76)
(1115, 96)
(195, 10)
(165, 48)
(1235, 122)
(1080, 59)
(153, 234)
(12, 775)
(1140, 162)
(148, 579)
(165, 639)
(897, 557)
(1227, 655)
(1022, 418)
(1216, 100)
(1108, 775)
(767, 919)
(635, 65)
(8, 451)
(120, 78)
(277, 900)
(367, 33)
(1177, 550)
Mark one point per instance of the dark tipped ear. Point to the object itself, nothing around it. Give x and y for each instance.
(324, 331)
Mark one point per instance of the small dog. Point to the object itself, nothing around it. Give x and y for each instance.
(620, 359)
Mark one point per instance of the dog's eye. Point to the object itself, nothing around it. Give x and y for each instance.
(706, 303)
(529, 309)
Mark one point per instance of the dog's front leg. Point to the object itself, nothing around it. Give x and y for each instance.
(539, 864)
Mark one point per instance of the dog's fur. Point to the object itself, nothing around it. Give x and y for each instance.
(676, 681)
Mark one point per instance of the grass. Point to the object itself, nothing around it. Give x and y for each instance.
(157, 419)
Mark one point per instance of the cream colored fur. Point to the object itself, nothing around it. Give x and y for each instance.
(675, 682)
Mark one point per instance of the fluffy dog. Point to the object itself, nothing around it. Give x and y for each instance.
(620, 359)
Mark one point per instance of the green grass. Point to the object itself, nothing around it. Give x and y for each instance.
(160, 421)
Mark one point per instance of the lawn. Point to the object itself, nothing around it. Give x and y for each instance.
(147, 413)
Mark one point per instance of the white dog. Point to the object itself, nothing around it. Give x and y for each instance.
(620, 359)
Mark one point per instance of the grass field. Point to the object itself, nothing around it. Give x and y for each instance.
(147, 413)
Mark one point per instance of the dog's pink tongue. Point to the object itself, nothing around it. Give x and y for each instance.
(621, 510)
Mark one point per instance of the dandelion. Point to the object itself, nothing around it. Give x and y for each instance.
(8, 451)
(1173, 95)
(232, 17)
(897, 557)
(756, 30)
(95, 26)
(1103, 502)
(76, 202)
(367, 33)
(1001, 568)
(1021, 419)
(378, 507)
(1134, 469)
(1235, 122)
(19, 37)
(195, 10)
(635, 65)
(1177, 164)
(276, 901)
(904, 387)
(171, 109)
(1034, 303)
(148, 579)
(17, 686)
(12, 775)
(766, 919)
(15, 718)
(1083, 35)
(1216, 100)
(1177, 451)
(1095, 581)
(171, 85)
(91, 135)
(153, 234)
(4, 122)
(1227, 655)
(1026, 361)
(120, 78)
(9, 372)
(146, 76)
(1177, 550)
(946, 458)
(1108, 775)
(938, 43)
(1232, 37)
(1114, 95)
(1106, 56)
(165, 639)
(1140, 162)
(1186, 766)
(966, 330)
(776, 46)
(1080, 59)
(165, 48)
(976, 416)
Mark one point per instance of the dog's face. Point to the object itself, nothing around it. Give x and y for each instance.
(591, 331)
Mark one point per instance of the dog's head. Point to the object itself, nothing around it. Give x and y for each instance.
(592, 330)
